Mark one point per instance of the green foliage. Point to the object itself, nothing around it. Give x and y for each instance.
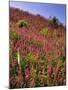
(42, 79)
(29, 57)
(62, 58)
(23, 63)
(37, 82)
(33, 72)
(22, 23)
(13, 35)
(52, 76)
(46, 71)
(44, 31)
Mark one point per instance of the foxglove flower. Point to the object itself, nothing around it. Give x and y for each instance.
(26, 73)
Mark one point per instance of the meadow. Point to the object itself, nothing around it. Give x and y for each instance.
(37, 50)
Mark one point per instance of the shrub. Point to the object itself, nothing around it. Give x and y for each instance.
(54, 22)
(44, 31)
(22, 23)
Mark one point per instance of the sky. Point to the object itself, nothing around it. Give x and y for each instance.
(44, 9)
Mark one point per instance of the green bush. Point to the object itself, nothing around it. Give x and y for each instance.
(22, 23)
(44, 31)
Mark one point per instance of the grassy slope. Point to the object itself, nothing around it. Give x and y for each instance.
(51, 44)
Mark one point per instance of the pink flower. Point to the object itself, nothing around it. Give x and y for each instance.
(49, 70)
(26, 73)
(55, 71)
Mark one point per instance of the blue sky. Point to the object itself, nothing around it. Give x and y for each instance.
(44, 9)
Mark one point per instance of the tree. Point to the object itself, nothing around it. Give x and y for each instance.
(54, 22)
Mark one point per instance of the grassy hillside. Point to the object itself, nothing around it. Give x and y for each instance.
(37, 50)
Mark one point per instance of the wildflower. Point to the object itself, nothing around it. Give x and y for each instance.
(26, 73)
(55, 71)
(49, 70)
